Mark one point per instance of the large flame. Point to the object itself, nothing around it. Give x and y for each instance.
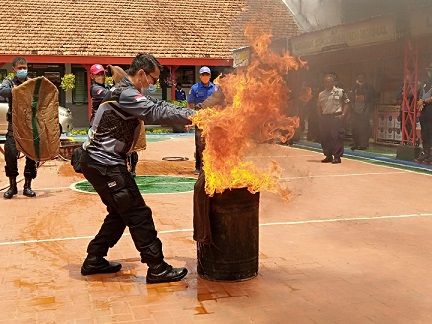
(257, 99)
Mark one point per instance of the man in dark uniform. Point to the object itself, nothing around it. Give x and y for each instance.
(19, 66)
(98, 91)
(180, 95)
(103, 163)
(199, 92)
(362, 98)
(332, 106)
(425, 107)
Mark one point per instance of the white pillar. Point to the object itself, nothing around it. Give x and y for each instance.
(68, 69)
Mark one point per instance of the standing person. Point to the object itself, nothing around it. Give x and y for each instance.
(98, 88)
(425, 107)
(180, 95)
(332, 106)
(19, 66)
(103, 163)
(199, 92)
(362, 99)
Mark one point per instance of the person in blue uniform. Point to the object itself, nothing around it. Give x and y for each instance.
(198, 94)
(180, 94)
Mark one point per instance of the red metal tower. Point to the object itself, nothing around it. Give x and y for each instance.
(409, 95)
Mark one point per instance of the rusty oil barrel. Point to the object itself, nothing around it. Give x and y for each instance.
(233, 254)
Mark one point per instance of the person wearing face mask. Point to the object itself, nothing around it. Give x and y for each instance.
(114, 131)
(362, 98)
(425, 108)
(198, 94)
(19, 66)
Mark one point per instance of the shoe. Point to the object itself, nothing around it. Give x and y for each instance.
(13, 190)
(421, 158)
(336, 160)
(28, 192)
(328, 159)
(165, 273)
(96, 264)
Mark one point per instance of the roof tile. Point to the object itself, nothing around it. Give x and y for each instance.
(175, 28)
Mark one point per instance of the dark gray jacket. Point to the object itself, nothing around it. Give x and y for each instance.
(116, 123)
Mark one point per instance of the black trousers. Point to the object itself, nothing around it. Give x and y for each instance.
(332, 135)
(11, 158)
(133, 159)
(199, 148)
(360, 129)
(426, 127)
(126, 207)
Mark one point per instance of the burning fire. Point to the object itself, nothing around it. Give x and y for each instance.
(257, 98)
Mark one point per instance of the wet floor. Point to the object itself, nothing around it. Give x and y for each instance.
(350, 246)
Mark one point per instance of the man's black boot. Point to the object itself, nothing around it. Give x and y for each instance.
(336, 160)
(13, 190)
(28, 192)
(97, 264)
(164, 272)
(424, 155)
(328, 159)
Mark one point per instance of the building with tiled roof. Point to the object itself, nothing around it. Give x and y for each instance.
(63, 36)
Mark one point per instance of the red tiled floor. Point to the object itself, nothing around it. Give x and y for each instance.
(316, 267)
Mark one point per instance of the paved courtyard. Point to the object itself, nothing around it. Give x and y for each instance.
(352, 245)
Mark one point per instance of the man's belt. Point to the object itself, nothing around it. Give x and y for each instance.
(333, 115)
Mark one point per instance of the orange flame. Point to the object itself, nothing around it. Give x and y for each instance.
(257, 98)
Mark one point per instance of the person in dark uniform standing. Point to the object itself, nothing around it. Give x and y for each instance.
(425, 107)
(180, 95)
(362, 99)
(103, 163)
(332, 106)
(98, 91)
(198, 94)
(19, 66)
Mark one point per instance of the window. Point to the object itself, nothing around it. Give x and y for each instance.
(186, 76)
(79, 93)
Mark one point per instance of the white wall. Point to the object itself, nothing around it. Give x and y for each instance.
(316, 14)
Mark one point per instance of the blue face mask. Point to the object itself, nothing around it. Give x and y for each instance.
(152, 88)
(21, 74)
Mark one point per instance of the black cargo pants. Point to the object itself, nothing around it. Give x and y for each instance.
(126, 207)
(11, 158)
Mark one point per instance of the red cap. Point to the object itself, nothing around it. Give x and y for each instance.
(96, 68)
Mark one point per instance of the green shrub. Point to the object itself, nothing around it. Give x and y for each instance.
(182, 104)
(79, 131)
(159, 130)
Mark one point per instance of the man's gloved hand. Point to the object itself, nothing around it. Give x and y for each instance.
(116, 72)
